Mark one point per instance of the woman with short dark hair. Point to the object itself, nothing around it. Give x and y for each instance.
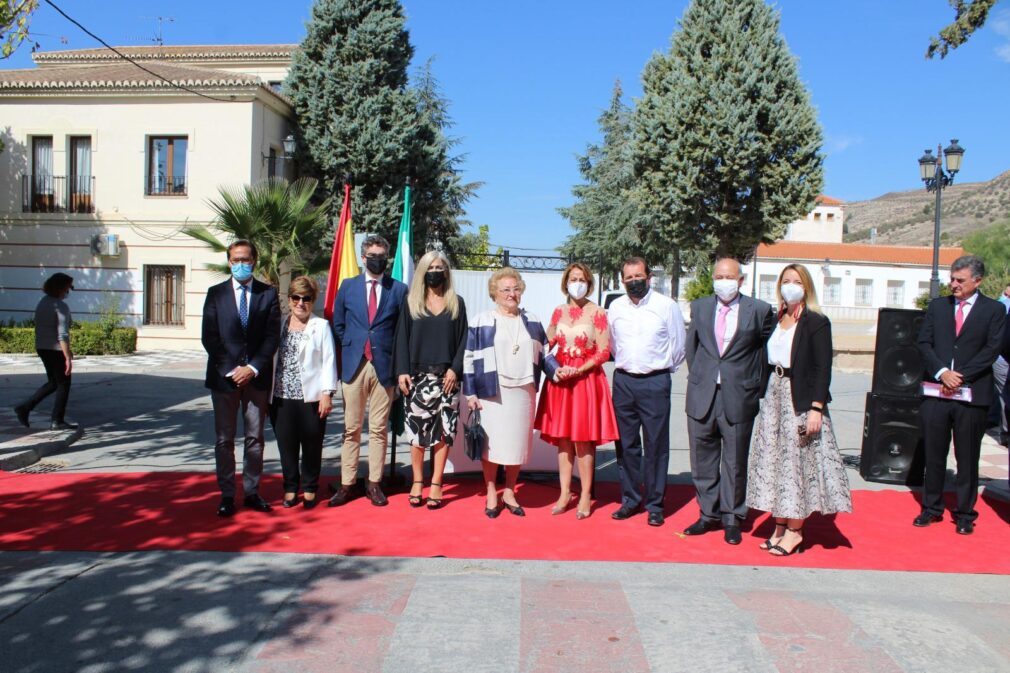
(52, 343)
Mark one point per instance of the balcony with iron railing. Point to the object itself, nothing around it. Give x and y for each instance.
(166, 185)
(57, 194)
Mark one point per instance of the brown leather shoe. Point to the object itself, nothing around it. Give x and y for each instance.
(375, 494)
(340, 496)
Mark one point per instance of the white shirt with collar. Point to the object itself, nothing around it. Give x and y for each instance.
(968, 303)
(648, 336)
(236, 288)
(732, 318)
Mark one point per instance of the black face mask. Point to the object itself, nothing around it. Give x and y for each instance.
(434, 279)
(636, 289)
(376, 265)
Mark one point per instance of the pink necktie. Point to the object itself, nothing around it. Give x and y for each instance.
(959, 318)
(720, 328)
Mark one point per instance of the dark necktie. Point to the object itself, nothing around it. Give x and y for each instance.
(243, 307)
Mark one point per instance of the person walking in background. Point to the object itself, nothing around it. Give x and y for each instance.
(647, 338)
(365, 314)
(428, 361)
(727, 361)
(795, 467)
(506, 350)
(52, 343)
(998, 408)
(959, 341)
(241, 332)
(576, 414)
(304, 382)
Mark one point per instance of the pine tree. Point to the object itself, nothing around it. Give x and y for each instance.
(607, 221)
(356, 114)
(727, 145)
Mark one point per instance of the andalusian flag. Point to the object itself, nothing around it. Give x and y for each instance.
(403, 264)
(343, 263)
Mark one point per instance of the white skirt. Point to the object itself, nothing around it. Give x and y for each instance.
(507, 419)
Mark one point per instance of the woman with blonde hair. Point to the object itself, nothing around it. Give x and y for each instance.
(795, 468)
(576, 414)
(506, 351)
(428, 363)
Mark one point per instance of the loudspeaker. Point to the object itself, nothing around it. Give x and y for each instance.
(892, 441)
(897, 365)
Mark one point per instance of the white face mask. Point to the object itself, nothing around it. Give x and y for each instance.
(792, 293)
(726, 288)
(577, 289)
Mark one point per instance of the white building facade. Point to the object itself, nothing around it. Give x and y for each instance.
(105, 164)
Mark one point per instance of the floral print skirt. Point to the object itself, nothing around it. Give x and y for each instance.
(788, 474)
(431, 415)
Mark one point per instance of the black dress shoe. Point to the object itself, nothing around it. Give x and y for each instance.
(656, 519)
(492, 513)
(62, 425)
(624, 513)
(925, 519)
(309, 504)
(341, 496)
(288, 504)
(965, 527)
(700, 527)
(226, 507)
(517, 510)
(256, 502)
(22, 414)
(731, 534)
(376, 495)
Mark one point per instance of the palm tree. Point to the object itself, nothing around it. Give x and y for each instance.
(281, 221)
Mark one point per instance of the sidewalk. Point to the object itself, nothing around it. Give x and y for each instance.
(21, 447)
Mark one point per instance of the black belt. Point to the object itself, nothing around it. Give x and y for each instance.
(782, 372)
(658, 372)
(437, 370)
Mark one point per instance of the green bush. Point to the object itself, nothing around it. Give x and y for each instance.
(85, 339)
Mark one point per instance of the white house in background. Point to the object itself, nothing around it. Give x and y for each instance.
(824, 224)
(852, 280)
(104, 164)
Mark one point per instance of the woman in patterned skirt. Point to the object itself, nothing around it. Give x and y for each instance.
(576, 414)
(795, 468)
(428, 362)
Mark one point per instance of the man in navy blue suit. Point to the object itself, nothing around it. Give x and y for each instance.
(364, 323)
(241, 332)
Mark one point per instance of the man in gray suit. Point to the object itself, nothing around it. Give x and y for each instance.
(727, 361)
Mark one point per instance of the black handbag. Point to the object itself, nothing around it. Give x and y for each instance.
(474, 435)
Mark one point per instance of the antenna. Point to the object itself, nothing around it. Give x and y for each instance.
(159, 35)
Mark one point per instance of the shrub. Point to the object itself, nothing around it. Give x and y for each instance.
(85, 339)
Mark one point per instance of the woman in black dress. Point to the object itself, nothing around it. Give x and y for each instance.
(428, 362)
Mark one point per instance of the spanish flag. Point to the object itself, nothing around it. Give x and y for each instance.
(343, 263)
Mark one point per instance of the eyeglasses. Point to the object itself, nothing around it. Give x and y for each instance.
(297, 298)
(509, 290)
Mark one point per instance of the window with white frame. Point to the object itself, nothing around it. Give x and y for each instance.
(923, 288)
(832, 292)
(766, 288)
(895, 293)
(864, 292)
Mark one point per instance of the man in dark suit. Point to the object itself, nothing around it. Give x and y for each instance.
(241, 332)
(727, 361)
(959, 341)
(364, 323)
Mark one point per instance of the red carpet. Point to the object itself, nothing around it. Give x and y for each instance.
(165, 510)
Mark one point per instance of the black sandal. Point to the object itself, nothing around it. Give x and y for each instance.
(434, 503)
(767, 544)
(416, 500)
(778, 550)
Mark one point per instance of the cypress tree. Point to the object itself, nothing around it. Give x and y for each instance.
(727, 144)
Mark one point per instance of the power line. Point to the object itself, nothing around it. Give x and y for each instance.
(127, 58)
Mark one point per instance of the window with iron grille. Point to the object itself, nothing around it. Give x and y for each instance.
(895, 294)
(166, 165)
(164, 295)
(766, 288)
(832, 294)
(864, 292)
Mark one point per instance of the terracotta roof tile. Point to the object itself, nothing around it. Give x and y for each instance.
(823, 200)
(169, 53)
(121, 74)
(801, 251)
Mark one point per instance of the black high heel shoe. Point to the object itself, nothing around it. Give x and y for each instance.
(434, 503)
(492, 513)
(516, 510)
(779, 550)
(417, 500)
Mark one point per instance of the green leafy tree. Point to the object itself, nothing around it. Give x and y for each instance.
(727, 145)
(356, 115)
(281, 219)
(992, 244)
(606, 218)
(969, 16)
(472, 250)
(15, 16)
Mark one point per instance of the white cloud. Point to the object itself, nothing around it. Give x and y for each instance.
(841, 143)
(1001, 26)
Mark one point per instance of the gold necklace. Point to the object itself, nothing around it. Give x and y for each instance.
(515, 336)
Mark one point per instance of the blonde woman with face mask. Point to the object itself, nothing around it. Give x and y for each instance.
(575, 412)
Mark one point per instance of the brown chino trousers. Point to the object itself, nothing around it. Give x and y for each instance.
(365, 391)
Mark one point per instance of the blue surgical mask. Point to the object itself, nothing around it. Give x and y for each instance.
(241, 271)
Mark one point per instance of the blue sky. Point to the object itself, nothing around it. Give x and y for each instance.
(527, 80)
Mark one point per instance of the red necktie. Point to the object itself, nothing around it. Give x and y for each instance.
(373, 308)
(959, 318)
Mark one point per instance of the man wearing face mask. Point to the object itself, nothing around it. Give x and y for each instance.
(241, 333)
(365, 314)
(647, 339)
(725, 356)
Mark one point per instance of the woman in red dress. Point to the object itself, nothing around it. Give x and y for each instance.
(575, 412)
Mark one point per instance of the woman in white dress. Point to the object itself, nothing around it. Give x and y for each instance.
(505, 353)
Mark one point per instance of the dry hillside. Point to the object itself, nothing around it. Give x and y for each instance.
(906, 218)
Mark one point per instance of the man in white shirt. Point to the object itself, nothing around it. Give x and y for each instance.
(647, 338)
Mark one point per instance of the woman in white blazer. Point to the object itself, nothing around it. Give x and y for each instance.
(305, 376)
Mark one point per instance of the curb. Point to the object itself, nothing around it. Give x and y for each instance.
(49, 442)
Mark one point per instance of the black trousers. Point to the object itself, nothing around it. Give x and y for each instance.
(299, 429)
(941, 418)
(642, 406)
(58, 381)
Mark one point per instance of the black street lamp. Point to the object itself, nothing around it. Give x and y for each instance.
(932, 173)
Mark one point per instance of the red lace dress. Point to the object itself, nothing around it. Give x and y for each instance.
(578, 408)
